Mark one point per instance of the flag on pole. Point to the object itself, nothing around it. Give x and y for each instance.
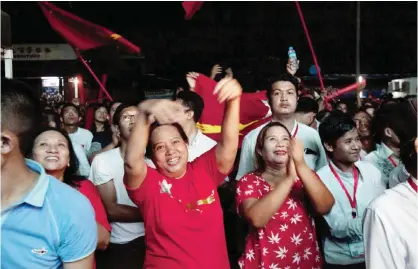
(191, 7)
(80, 33)
(254, 110)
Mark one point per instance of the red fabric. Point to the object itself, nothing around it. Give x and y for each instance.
(89, 190)
(88, 118)
(191, 7)
(253, 108)
(288, 240)
(180, 231)
(80, 33)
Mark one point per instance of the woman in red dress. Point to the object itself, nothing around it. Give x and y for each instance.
(273, 200)
(179, 201)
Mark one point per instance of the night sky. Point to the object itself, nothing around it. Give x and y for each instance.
(245, 35)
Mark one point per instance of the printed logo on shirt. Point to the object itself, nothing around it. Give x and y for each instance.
(165, 187)
(209, 200)
(39, 252)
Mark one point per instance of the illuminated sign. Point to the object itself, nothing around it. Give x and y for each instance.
(42, 52)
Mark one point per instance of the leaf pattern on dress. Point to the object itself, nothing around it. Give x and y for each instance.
(288, 240)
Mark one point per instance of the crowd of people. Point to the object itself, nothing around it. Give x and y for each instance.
(316, 188)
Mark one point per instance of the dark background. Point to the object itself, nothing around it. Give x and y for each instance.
(252, 37)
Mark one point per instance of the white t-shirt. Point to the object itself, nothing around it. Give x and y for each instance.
(83, 162)
(109, 166)
(82, 137)
(382, 158)
(390, 229)
(315, 155)
(344, 229)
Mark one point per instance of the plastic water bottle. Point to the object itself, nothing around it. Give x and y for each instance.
(293, 60)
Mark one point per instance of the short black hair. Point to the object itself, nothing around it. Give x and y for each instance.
(335, 126)
(341, 102)
(155, 125)
(118, 113)
(68, 105)
(59, 104)
(394, 117)
(50, 115)
(283, 77)
(408, 155)
(20, 111)
(306, 105)
(322, 115)
(193, 101)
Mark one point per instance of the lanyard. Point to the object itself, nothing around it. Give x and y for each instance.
(353, 201)
(392, 161)
(296, 131)
(413, 184)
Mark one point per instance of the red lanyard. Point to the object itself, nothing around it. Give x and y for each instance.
(353, 201)
(413, 184)
(392, 161)
(296, 131)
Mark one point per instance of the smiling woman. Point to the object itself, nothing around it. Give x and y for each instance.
(179, 200)
(272, 199)
(52, 148)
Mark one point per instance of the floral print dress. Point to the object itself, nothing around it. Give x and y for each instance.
(288, 241)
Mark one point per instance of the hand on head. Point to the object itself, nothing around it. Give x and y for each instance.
(163, 111)
(227, 89)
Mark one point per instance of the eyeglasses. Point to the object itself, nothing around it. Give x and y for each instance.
(129, 117)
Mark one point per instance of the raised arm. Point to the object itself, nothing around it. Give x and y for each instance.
(319, 195)
(135, 166)
(228, 90)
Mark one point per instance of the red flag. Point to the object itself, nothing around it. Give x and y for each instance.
(80, 33)
(254, 110)
(191, 7)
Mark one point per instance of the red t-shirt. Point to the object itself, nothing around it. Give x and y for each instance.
(183, 217)
(288, 240)
(89, 190)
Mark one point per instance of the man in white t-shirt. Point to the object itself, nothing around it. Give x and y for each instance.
(306, 111)
(390, 221)
(388, 127)
(193, 106)
(127, 244)
(354, 184)
(198, 142)
(71, 117)
(83, 162)
(282, 98)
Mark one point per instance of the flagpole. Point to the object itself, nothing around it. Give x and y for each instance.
(358, 52)
(102, 88)
(305, 28)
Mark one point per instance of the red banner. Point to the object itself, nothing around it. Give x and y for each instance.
(80, 33)
(191, 7)
(254, 110)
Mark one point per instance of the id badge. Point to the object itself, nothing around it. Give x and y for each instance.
(356, 249)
